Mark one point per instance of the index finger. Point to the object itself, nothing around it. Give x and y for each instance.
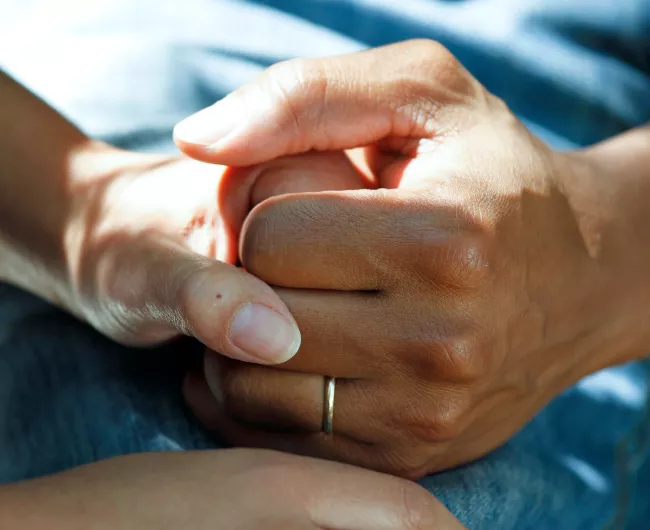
(402, 90)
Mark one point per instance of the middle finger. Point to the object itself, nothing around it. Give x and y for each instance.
(345, 334)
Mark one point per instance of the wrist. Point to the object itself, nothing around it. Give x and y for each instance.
(42, 230)
(48, 167)
(34, 212)
(608, 189)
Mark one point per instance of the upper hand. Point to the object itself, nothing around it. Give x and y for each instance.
(450, 305)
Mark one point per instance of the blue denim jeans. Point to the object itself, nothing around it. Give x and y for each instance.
(576, 72)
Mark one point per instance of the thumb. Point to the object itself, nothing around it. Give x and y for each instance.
(403, 90)
(226, 308)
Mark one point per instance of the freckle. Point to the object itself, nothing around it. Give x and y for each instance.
(219, 296)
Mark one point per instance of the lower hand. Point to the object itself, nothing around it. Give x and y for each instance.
(143, 246)
(151, 250)
(220, 490)
(486, 276)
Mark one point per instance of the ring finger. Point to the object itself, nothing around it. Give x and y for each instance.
(383, 458)
(280, 400)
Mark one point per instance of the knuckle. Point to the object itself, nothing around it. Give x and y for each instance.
(292, 84)
(406, 464)
(432, 81)
(436, 60)
(462, 257)
(462, 359)
(431, 49)
(451, 420)
(292, 74)
(447, 423)
(458, 254)
(469, 263)
(451, 358)
(285, 81)
(434, 431)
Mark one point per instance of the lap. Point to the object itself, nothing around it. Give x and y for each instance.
(69, 397)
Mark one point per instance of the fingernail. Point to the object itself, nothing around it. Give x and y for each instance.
(264, 334)
(213, 124)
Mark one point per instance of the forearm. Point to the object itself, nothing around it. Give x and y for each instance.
(39, 158)
(110, 494)
(117, 493)
(614, 201)
(23, 507)
(45, 161)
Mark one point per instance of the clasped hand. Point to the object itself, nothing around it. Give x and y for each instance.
(450, 303)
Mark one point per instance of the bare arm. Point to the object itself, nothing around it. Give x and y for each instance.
(219, 490)
(615, 223)
(43, 159)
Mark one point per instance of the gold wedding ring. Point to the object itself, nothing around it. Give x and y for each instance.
(328, 407)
